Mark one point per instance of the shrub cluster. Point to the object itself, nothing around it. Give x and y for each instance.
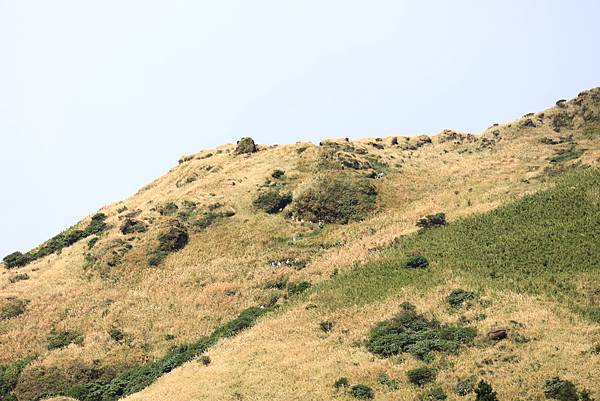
(297, 288)
(434, 394)
(61, 339)
(421, 376)
(458, 297)
(411, 332)
(131, 226)
(361, 392)
(11, 307)
(416, 262)
(210, 217)
(9, 376)
(484, 392)
(432, 220)
(272, 201)
(58, 242)
(338, 199)
(564, 390)
(137, 378)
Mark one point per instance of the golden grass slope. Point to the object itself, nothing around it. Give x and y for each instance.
(223, 268)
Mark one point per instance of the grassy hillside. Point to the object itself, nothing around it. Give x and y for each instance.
(144, 285)
(526, 267)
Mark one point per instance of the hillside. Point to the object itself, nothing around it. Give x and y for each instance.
(311, 242)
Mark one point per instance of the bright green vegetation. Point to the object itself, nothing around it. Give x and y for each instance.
(57, 243)
(543, 244)
(413, 333)
(9, 375)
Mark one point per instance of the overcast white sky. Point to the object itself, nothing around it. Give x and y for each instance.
(97, 98)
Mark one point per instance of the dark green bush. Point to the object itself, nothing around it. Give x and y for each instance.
(9, 376)
(210, 217)
(167, 209)
(11, 307)
(465, 386)
(459, 296)
(361, 392)
(61, 339)
(298, 288)
(272, 201)
(204, 360)
(484, 392)
(337, 199)
(414, 333)
(434, 394)
(560, 389)
(421, 376)
(15, 259)
(416, 262)
(432, 220)
(566, 154)
(384, 379)
(92, 242)
(341, 382)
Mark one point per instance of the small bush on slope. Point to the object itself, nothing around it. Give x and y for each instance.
(11, 307)
(58, 242)
(272, 201)
(411, 332)
(337, 199)
(9, 375)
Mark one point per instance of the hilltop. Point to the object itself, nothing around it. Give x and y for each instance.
(252, 272)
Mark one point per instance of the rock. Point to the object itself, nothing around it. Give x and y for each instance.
(245, 145)
(395, 140)
(497, 334)
(131, 226)
(527, 123)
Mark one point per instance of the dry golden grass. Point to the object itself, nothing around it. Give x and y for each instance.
(223, 268)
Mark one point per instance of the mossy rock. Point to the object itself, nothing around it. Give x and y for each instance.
(337, 199)
(245, 145)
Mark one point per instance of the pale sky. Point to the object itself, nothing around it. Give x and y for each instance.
(97, 98)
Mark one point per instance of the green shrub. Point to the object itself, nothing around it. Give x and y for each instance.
(411, 332)
(361, 392)
(465, 386)
(384, 379)
(566, 154)
(434, 394)
(337, 199)
(560, 389)
(9, 376)
(278, 284)
(61, 339)
(416, 262)
(210, 217)
(459, 296)
(92, 242)
(298, 288)
(272, 201)
(167, 209)
(421, 376)
(342, 382)
(11, 307)
(204, 360)
(484, 392)
(432, 221)
(15, 259)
